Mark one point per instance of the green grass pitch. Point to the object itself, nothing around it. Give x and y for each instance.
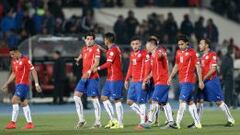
(63, 124)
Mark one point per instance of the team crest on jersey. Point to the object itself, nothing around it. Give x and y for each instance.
(214, 57)
(111, 53)
(207, 57)
(186, 54)
(139, 55)
(20, 63)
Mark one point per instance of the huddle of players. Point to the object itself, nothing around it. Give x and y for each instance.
(146, 67)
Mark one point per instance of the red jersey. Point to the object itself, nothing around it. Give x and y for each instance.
(186, 61)
(159, 66)
(22, 68)
(88, 55)
(136, 66)
(113, 64)
(207, 61)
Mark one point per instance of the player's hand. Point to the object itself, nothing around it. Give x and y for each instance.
(77, 61)
(144, 85)
(169, 82)
(201, 85)
(126, 85)
(38, 88)
(4, 88)
(94, 70)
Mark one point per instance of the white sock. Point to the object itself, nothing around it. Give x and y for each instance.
(193, 111)
(200, 110)
(79, 108)
(119, 110)
(143, 113)
(97, 110)
(109, 108)
(15, 112)
(135, 108)
(168, 112)
(225, 109)
(153, 112)
(182, 108)
(27, 113)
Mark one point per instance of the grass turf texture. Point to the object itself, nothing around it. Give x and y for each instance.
(213, 124)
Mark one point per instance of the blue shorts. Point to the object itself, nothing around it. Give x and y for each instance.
(213, 91)
(136, 93)
(22, 91)
(160, 93)
(88, 86)
(113, 89)
(186, 91)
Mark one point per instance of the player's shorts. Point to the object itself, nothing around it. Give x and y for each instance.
(88, 86)
(213, 91)
(136, 93)
(160, 93)
(113, 89)
(186, 91)
(22, 91)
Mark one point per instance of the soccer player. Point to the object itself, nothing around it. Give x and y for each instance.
(114, 83)
(21, 69)
(212, 91)
(88, 84)
(137, 97)
(186, 63)
(159, 72)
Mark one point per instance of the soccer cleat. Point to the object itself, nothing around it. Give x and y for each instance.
(11, 125)
(139, 127)
(199, 126)
(155, 124)
(168, 125)
(230, 124)
(191, 125)
(175, 126)
(147, 124)
(111, 123)
(81, 124)
(29, 125)
(116, 126)
(99, 125)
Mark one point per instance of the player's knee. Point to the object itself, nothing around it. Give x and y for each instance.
(129, 102)
(76, 98)
(104, 98)
(218, 103)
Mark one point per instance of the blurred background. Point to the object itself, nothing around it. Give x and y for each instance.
(41, 27)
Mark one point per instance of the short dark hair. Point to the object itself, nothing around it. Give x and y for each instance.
(58, 52)
(153, 41)
(110, 36)
(183, 38)
(207, 41)
(135, 38)
(13, 49)
(90, 34)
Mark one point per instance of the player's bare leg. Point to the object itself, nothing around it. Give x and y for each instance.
(109, 108)
(97, 111)
(79, 108)
(225, 109)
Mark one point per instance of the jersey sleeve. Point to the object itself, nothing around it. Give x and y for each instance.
(213, 61)
(195, 57)
(111, 56)
(29, 64)
(97, 52)
(129, 73)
